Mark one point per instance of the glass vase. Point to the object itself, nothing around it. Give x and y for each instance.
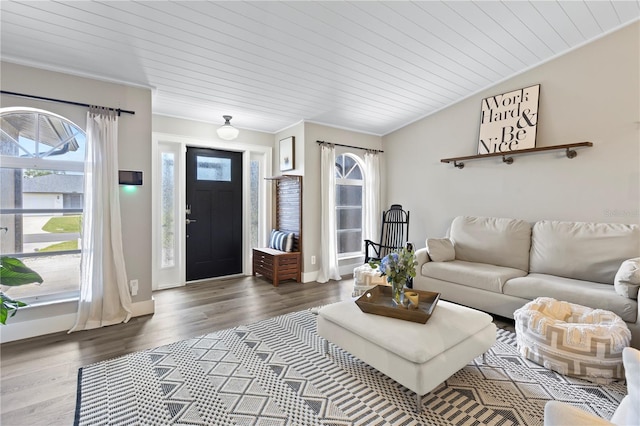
(397, 288)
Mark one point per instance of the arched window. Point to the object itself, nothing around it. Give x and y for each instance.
(42, 191)
(349, 190)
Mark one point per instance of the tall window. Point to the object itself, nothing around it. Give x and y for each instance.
(41, 198)
(167, 214)
(254, 184)
(349, 186)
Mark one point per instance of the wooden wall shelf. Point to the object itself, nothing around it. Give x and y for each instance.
(507, 157)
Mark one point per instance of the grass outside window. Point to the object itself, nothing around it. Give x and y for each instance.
(63, 224)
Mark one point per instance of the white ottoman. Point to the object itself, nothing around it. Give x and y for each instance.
(572, 339)
(418, 356)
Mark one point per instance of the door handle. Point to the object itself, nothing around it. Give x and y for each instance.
(191, 221)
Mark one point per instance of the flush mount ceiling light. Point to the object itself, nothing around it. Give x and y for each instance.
(227, 131)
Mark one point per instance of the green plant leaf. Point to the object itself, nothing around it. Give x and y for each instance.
(15, 273)
(6, 300)
(8, 307)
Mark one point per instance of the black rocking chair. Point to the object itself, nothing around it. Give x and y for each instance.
(393, 236)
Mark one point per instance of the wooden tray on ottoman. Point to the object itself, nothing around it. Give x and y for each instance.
(378, 301)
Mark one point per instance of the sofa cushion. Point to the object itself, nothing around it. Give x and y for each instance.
(585, 293)
(440, 249)
(583, 251)
(497, 241)
(478, 275)
(627, 279)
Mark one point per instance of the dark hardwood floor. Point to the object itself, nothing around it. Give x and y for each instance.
(38, 375)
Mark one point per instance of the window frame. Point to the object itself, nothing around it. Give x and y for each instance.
(43, 162)
(351, 182)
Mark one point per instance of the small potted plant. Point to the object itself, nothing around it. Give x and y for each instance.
(14, 273)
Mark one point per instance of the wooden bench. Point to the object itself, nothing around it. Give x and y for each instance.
(277, 265)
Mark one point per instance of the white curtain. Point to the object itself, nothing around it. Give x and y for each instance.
(372, 212)
(328, 237)
(104, 294)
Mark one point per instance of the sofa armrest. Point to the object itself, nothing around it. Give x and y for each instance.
(558, 413)
(422, 257)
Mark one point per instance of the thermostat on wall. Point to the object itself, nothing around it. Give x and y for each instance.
(129, 177)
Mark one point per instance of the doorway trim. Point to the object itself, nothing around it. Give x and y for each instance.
(178, 277)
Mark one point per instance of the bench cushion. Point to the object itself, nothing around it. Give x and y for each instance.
(449, 325)
(271, 251)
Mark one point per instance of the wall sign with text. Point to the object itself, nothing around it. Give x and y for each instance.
(508, 121)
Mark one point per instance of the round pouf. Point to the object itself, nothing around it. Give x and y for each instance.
(572, 339)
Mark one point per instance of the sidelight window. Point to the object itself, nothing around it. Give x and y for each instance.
(167, 213)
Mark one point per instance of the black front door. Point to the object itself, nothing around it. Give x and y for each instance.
(214, 213)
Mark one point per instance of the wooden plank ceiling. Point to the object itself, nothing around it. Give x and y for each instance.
(367, 66)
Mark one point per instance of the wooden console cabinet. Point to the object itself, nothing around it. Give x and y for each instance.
(277, 265)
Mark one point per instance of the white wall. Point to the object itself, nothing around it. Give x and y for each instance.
(297, 131)
(590, 94)
(134, 153)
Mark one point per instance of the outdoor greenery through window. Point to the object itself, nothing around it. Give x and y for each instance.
(349, 187)
(42, 192)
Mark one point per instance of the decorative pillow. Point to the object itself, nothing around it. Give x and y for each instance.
(627, 280)
(282, 241)
(440, 249)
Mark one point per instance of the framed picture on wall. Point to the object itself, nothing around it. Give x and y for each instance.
(287, 153)
(508, 122)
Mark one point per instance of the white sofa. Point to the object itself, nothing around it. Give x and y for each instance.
(497, 265)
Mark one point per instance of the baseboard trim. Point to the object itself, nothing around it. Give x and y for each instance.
(146, 307)
(308, 277)
(56, 323)
(39, 327)
(348, 268)
(342, 270)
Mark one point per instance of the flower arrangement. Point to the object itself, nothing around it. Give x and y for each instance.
(399, 265)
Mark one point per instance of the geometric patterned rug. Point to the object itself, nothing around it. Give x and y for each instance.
(273, 372)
